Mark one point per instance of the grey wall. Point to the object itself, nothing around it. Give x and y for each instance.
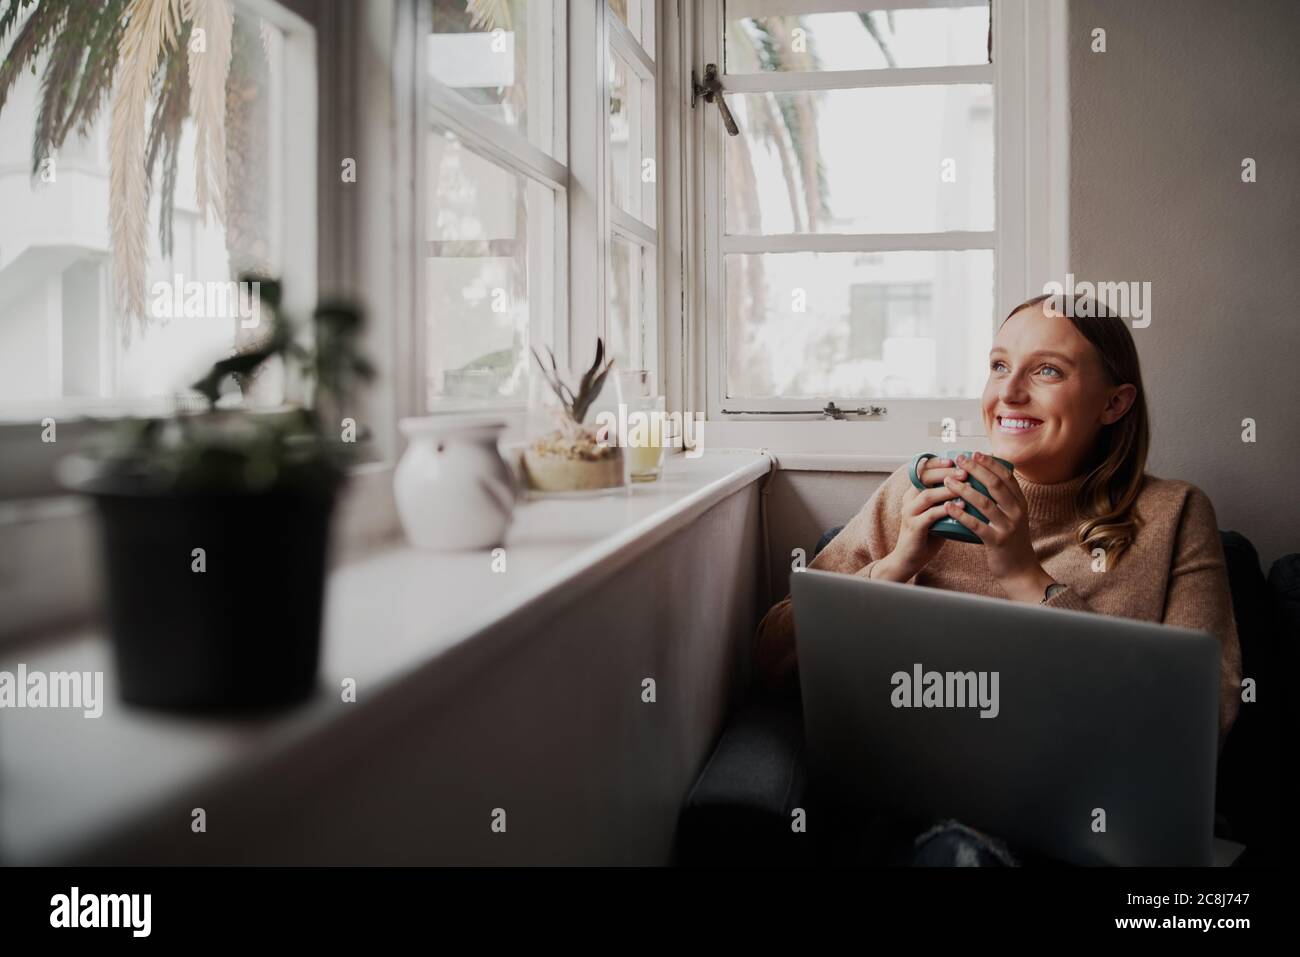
(1160, 124)
(550, 726)
(801, 506)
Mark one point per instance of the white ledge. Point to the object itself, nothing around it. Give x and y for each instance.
(71, 782)
(838, 462)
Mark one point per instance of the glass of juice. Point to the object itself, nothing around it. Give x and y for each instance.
(644, 432)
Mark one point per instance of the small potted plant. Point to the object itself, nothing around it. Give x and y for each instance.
(215, 525)
(566, 452)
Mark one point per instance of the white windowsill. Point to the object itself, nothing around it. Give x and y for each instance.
(72, 782)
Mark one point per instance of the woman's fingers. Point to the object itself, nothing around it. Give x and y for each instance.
(1000, 483)
(932, 515)
(956, 511)
(973, 496)
(934, 470)
(936, 476)
(923, 501)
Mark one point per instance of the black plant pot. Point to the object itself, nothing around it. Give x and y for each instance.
(242, 634)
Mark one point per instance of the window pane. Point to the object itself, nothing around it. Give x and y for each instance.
(499, 55)
(639, 15)
(944, 33)
(632, 305)
(62, 334)
(862, 325)
(892, 160)
(630, 154)
(491, 259)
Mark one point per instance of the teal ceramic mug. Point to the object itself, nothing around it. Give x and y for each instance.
(950, 527)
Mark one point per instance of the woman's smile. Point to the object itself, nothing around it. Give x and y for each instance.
(1018, 425)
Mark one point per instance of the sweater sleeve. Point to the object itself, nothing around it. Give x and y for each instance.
(868, 537)
(1197, 596)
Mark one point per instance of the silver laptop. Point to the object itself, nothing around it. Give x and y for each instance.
(1085, 738)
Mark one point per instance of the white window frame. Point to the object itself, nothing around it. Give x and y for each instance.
(623, 225)
(1029, 75)
(512, 150)
(596, 31)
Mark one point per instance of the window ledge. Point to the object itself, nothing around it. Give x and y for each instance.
(838, 462)
(397, 614)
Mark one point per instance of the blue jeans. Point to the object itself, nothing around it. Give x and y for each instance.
(876, 838)
(953, 844)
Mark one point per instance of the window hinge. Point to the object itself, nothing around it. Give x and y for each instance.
(711, 91)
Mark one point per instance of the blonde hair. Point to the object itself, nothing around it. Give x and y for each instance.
(1118, 462)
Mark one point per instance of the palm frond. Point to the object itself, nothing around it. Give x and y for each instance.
(60, 80)
(872, 28)
(171, 108)
(13, 10)
(208, 72)
(152, 26)
(97, 74)
(491, 14)
(30, 40)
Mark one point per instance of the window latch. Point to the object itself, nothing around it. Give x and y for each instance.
(711, 90)
(832, 411)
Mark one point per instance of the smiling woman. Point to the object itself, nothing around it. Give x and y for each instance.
(1065, 394)
(1078, 525)
(1050, 391)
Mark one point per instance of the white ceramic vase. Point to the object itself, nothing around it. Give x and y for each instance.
(454, 490)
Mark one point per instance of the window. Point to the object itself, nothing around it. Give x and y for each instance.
(66, 345)
(866, 227)
(496, 187)
(632, 315)
(540, 169)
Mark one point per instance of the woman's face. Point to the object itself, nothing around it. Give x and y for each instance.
(1047, 397)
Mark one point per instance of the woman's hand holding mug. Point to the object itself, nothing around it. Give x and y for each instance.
(1008, 546)
(916, 547)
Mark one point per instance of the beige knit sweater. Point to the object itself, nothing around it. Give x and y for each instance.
(1174, 572)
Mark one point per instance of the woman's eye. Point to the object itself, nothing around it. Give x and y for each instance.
(1053, 369)
(995, 363)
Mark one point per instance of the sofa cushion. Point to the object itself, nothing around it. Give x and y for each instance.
(1284, 581)
(740, 809)
(826, 538)
(1248, 785)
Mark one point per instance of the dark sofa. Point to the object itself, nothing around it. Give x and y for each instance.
(739, 811)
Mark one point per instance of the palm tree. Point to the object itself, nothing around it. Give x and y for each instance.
(136, 51)
(83, 38)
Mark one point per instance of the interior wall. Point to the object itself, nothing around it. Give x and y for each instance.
(1160, 124)
(553, 729)
(801, 506)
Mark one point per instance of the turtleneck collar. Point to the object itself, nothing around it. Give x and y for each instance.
(1052, 503)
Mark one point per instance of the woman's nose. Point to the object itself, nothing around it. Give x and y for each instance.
(1013, 389)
